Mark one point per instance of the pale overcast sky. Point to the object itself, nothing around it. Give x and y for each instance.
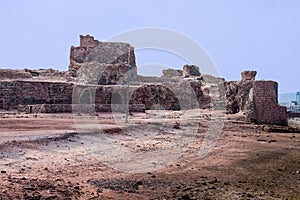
(237, 34)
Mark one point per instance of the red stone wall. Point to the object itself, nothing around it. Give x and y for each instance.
(16, 93)
(79, 54)
(13, 93)
(268, 111)
(262, 103)
(88, 41)
(102, 53)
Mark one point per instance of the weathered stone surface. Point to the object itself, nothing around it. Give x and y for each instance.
(14, 74)
(172, 73)
(266, 106)
(238, 96)
(203, 94)
(103, 53)
(101, 75)
(257, 100)
(191, 70)
(88, 41)
(248, 75)
(37, 74)
(151, 95)
(14, 93)
(104, 74)
(232, 94)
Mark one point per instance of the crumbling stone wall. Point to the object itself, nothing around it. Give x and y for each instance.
(109, 57)
(29, 74)
(104, 74)
(237, 95)
(188, 70)
(88, 41)
(232, 96)
(14, 93)
(172, 73)
(14, 74)
(100, 71)
(266, 105)
(239, 98)
(256, 99)
(248, 75)
(17, 93)
(151, 95)
(191, 70)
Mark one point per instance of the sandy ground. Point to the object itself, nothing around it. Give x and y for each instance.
(58, 157)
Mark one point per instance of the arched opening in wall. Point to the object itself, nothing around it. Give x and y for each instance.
(30, 109)
(116, 98)
(235, 108)
(155, 97)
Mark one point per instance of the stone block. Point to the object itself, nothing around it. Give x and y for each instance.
(191, 70)
(248, 75)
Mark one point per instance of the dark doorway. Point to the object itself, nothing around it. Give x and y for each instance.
(30, 109)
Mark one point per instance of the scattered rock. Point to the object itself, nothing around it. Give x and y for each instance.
(270, 141)
(113, 131)
(176, 125)
(186, 197)
(212, 188)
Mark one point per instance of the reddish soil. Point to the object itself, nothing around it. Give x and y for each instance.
(45, 158)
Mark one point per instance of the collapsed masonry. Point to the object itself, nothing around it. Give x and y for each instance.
(101, 73)
(256, 99)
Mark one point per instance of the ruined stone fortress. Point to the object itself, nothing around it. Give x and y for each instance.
(102, 75)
